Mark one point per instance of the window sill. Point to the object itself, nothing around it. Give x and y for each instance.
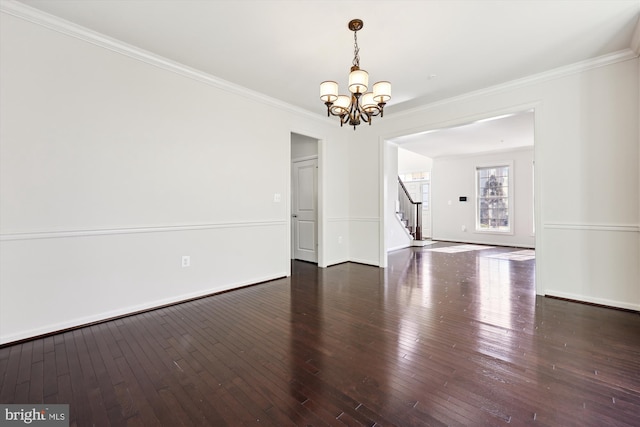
(495, 232)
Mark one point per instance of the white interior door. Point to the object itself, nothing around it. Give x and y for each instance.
(304, 210)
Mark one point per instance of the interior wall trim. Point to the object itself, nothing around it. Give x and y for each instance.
(560, 72)
(339, 219)
(364, 219)
(629, 228)
(60, 25)
(305, 158)
(593, 300)
(133, 230)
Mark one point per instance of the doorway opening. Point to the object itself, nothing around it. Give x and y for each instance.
(451, 157)
(304, 198)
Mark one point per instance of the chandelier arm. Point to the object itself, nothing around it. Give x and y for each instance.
(373, 113)
(328, 104)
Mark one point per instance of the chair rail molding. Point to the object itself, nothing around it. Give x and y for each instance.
(133, 230)
(629, 228)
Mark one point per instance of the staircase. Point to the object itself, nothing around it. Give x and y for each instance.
(409, 212)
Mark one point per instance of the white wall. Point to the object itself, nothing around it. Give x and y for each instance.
(408, 162)
(366, 208)
(453, 177)
(587, 162)
(113, 168)
(397, 236)
(334, 167)
(303, 146)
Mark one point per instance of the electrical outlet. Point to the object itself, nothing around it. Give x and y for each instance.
(340, 240)
(186, 261)
(464, 228)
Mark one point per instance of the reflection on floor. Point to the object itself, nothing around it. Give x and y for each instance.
(460, 248)
(524, 255)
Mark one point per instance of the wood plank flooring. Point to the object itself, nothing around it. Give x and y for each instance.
(435, 339)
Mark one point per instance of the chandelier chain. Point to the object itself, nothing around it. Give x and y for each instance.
(356, 50)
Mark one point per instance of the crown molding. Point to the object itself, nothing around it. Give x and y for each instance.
(38, 17)
(578, 67)
(52, 22)
(635, 39)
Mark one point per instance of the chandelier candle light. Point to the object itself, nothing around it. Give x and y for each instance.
(361, 106)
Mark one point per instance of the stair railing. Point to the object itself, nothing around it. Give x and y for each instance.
(410, 211)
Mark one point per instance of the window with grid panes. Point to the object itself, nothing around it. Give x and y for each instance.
(493, 198)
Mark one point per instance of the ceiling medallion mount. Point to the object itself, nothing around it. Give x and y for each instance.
(356, 24)
(360, 106)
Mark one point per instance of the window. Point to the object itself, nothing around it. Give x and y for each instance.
(425, 196)
(417, 184)
(493, 194)
(415, 176)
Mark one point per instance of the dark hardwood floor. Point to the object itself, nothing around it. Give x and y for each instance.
(435, 339)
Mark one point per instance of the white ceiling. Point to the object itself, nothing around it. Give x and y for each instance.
(495, 134)
(429, 50)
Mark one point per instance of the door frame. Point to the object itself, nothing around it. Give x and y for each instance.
(320, 197)
(385, 165)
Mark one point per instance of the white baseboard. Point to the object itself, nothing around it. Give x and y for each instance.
(593, 300)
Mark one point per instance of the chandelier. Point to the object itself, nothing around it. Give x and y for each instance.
(360, 106)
